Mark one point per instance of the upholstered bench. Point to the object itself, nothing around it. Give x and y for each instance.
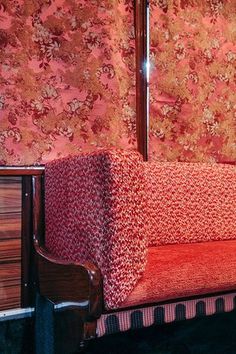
(129, 244)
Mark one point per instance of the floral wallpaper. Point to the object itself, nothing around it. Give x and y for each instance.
(67, 79)
(193, 80)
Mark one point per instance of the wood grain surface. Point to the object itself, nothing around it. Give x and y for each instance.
(10, 242)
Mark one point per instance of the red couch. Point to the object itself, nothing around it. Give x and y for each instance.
(132, 243)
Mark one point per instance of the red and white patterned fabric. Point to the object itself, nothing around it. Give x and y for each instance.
(179, 271)
(190, 202)
(108, 207)
(93, 210)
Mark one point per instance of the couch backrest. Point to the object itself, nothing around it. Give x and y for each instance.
(190, 202)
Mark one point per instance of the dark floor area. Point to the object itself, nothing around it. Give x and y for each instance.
(212, 335)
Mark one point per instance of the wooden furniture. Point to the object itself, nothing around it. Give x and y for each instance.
(10, 242)
(197, 275)
(16, 275)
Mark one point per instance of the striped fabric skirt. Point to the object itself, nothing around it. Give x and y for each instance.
(164, 313)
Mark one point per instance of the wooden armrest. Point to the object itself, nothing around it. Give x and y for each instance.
(64, 281)
(60, 280)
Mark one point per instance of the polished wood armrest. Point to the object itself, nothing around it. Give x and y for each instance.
(64, 281)
(61, 280)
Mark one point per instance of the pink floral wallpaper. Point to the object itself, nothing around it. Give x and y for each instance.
(67, 79)
(193, 80)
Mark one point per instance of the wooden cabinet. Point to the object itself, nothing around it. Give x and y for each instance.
(16, 258)
(10, 241)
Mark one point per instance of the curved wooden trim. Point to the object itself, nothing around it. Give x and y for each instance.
(64, 281)
(61, 280)
(141, 76)
(38, 211)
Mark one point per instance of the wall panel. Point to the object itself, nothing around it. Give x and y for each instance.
(192, 80)
(10, 242)
(67, 80)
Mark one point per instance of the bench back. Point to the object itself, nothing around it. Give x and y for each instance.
(190, 202)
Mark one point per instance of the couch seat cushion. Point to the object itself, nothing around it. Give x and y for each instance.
(176, 271)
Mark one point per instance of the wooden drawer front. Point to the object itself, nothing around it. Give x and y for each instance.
(10, 251)
(10, 275)
(10, 207)
(10, 242)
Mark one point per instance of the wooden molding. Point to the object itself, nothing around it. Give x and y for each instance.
(141, 76)
(21, 170)
(27, 256)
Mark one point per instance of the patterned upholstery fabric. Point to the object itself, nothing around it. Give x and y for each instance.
(109, 207)
(190, 202)
(182, 270)
(93, 204)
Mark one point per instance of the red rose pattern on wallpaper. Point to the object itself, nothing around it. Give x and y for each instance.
(193, 80)
(67, 78)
